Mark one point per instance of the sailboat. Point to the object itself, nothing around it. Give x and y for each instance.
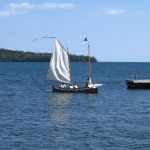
(60, 71)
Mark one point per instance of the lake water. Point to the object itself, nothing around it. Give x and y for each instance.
(34, 118)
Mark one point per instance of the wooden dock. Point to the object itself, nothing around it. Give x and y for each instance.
(138, 84)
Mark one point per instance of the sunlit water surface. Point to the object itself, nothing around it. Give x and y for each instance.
(34, 118)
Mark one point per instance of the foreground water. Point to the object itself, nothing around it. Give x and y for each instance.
(32, 117)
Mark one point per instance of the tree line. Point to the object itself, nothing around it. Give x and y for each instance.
(21, 56)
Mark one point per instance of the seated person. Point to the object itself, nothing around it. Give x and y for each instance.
(71, 86)
(63, 85)
(75, 86)
(89, 83)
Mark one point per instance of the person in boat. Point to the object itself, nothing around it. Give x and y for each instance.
(63, 85)
(89, 83)
(71, 86)
(75, 86)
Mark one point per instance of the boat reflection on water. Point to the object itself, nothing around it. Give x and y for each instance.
(59, 107)
(60, 116)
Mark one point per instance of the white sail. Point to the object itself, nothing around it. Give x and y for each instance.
(59, 69)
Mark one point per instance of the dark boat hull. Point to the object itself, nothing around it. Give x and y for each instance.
(138, 84)
(78, 90)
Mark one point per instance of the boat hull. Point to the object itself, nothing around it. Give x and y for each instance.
(78, 90)
(138, 84)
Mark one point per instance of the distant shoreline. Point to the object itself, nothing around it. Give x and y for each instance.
(21, 56)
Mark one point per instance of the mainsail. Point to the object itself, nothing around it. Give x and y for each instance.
(59, 69)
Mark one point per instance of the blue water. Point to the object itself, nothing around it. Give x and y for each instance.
(34, 118)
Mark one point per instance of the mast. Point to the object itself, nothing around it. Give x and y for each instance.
(90, 66)
(69, 57)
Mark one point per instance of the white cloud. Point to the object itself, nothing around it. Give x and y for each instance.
(111, 11)
(21, 8)
(17, 6)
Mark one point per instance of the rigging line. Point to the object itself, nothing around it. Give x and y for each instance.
(43, 37)
(51, 38)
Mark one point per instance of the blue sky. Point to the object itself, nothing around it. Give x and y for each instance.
(118, 30)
